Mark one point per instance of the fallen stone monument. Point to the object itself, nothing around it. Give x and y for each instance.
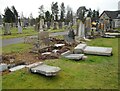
(44, 69)
(83, 48)
(16, 68)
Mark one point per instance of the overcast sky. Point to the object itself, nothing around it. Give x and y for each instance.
(31, 6)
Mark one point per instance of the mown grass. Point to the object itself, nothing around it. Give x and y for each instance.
(14, 33)
(15, 48)
(97, 72)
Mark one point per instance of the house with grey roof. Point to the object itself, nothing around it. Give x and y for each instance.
(110, 19)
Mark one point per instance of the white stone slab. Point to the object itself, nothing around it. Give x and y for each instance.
(46, 53)
(98, 50)
(3, 67)
(34, 64)
(75, 56)
(113, 34)
(17, 68)
(79, 48)
(45, 70)
(59, 45)
(66, 53)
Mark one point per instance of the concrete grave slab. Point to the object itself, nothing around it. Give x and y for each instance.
(34, 64)
(59, 45)
(75, 56)
(17, 68)
(45, 70)
(98, 50)
(79, 48)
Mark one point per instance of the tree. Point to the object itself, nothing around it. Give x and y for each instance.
(15, 14)
(41, 12)
(81, 13)
(32, 20)
(95, 15)
(9, 16)
(69, 16)
(89, 13)
(55, 10)
(62, 12)
(47, 16)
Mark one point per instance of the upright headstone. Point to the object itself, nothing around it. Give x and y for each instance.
(19, 28)
(81, 32)
(48, 24)
(88, 25)
(41, 25)
(55, 25)
(60, 25)
(7, 29)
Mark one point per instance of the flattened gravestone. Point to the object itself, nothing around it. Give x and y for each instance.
(74, 56)
(80, 48)
(45, 70)
(98, 50)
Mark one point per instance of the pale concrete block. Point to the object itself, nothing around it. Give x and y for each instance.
(79, 48)
(98, 50)
(3, 67)
(45, 70)
(75, 56)
(16, 68)
(66, 53)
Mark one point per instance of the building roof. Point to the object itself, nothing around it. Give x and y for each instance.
(112, 14)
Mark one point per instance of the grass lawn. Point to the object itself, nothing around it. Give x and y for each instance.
(14, 33)
(97, 72)
(15, 48)
(26, 32)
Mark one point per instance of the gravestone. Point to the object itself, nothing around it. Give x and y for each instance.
(88, 25)
(55, 25)
(98, 50)
(19, 28)
(43, 38)
(41, 25)
(7, 29)
(48, 24)
(45, 69)
(60, 25)
(79, 48)
(81, 31)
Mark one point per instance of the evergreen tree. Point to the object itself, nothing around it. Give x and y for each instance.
(9, 16)
(62, 12)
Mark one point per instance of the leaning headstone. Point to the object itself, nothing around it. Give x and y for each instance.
(7, 29)
(43, 38)
(3, 67)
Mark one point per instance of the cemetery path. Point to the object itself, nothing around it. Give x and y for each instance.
(6, 42)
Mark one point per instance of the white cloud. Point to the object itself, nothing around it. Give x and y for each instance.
(31, 6)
